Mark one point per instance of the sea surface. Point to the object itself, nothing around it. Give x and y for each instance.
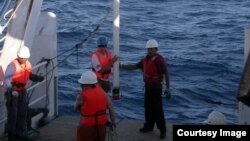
(202, 42)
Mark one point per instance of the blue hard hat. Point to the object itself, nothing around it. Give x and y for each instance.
(102, 41)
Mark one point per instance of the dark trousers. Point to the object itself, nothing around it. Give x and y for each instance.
(17, 114)
(153, 109)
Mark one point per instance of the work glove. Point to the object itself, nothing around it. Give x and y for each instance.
(40, 78)
(36, 78)
(14, 93)
(167, 93)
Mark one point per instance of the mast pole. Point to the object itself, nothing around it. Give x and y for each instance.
(116, 36)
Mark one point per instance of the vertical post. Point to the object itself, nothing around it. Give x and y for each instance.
(116, 28)
(244, 110)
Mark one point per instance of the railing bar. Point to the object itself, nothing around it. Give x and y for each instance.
(39, 65)
(33, 86)
(37, 100)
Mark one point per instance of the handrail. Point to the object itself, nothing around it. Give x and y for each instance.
(5, 6)
(39, 65)
(13, 13)
(1, 40)
(37, 100)
(37, 84)
(32, 87)
(33, 68)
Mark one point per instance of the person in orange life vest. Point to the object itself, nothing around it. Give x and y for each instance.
(102, 62)
(154, 71)
(92, 103)
(17, 74)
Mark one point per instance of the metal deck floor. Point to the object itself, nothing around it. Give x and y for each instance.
(63, 128)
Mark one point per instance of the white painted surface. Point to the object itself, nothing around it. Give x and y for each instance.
(116, 44)
(45, 46)
(32, 23)
(40, 35)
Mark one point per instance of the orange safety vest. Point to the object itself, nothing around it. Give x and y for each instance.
(93, 109)
(150, 72)
(103, 60)
(21, 75)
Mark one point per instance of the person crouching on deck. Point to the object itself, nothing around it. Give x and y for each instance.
(92, 103)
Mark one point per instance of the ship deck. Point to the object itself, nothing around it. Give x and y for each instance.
(63, 128)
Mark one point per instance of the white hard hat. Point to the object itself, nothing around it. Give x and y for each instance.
(152, 43)
(23, 52)
(216, 118)
(88, 77)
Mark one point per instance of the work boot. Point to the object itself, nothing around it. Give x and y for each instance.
(145, 129)
(11, 137)
(25, 138)
(162, 135)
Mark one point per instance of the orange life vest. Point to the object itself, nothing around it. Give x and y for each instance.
(103, 60)
(93, 109)
(21, 75)
(150, 71)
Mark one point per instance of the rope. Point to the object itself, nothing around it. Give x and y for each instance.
(70, 51)
(78, 45)
(47, 84)
(101, 21)
(112, 134)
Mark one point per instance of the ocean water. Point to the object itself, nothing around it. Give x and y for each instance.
(202, 42)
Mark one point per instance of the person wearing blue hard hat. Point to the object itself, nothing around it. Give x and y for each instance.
(102, 62)
(102, 41)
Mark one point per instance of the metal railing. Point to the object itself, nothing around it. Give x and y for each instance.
(4, 8)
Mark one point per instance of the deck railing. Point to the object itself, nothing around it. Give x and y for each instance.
(29, 89)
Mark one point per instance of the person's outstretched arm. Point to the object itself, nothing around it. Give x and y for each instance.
(138, 65)
(129, 66)
(97, 67)
(109, 65)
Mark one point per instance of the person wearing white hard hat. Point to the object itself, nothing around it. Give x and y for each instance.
(92, 103)
(154, 72)
(215, 118)
(16, 76)
(102, 62)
